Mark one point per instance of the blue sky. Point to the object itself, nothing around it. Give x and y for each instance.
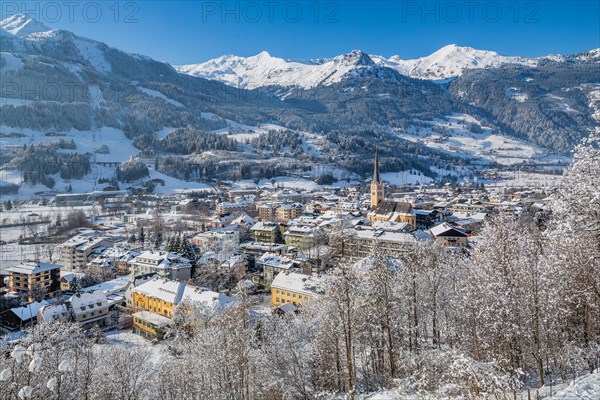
(182, 32)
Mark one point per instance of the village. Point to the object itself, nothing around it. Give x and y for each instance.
(135, 260)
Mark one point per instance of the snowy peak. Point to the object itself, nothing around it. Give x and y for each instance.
(265, 70)
(451, 61)
(354, 58)
(20, 25)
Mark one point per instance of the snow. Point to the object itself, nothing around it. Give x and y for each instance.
(157, 94)
(515, 93)
(20, 25)
(299, 283)
(82, 303)
(174, 292)
(29, 311)
(89, 50)
(586, 387)
(405, 177)
(8, 101)
(161, 134)
(452, 135)
(266, 70)
(450, 61)
(11, 63)
(560, 104)
(120, 146)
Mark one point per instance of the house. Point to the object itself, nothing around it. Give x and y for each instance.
(304, 236)
(19, 318)
(89, 308)
(216, 239)
(74, 252)
(166, 264)
(266, 232)
(425, 219)
(34, 279)
(294, 288)
(286, 211)
(68, 281)
(243, 206)
(272, 264)
(154, 303)
(449, 235)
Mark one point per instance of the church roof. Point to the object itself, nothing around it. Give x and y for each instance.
(376, 176)
(387, 207)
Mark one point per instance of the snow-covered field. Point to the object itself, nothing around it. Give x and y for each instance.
(525, 179)
(120, 149)
(586, 387)
(452, 134)
(119, 145)
(404, 177)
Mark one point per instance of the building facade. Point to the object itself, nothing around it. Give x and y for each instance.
(34, 280)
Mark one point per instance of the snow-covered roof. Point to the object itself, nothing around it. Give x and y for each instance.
(51, 312)
(445, 227)
(32, 267)
(29, 311)
(175, 292)
(110, 287)
(154, 319)
(84, 302)
(264, 226)
(299, 283)
(274, 260)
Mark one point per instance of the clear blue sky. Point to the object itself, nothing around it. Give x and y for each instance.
(182, 32)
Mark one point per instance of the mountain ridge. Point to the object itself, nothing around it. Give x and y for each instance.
(264, 69)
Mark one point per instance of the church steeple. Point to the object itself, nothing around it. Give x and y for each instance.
(376, 184)
(376, 177)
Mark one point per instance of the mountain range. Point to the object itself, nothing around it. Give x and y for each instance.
(54, 81)
(448, 62)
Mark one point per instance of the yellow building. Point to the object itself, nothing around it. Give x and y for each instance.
(294, 288)
(393, 211)
(154, 302)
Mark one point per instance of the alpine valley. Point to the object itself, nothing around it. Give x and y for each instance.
(78, 115)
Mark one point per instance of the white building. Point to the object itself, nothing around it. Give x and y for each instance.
(74, 252)
(166, 264)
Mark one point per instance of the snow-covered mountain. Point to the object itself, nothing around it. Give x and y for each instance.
(266, 70)
(20, 25)
(448, 62)
(451, 61)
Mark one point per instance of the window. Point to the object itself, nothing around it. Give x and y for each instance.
(277, 300)
(294, 295)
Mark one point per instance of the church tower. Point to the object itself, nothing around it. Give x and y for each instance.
(376, 185)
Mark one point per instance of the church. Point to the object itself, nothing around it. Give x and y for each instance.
(387, 210)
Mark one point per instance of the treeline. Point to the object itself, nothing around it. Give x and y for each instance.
(185, 141)
(132, 170)
(276, 141)
(39, 161)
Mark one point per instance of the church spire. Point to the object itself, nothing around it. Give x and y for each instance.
(376, 177)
